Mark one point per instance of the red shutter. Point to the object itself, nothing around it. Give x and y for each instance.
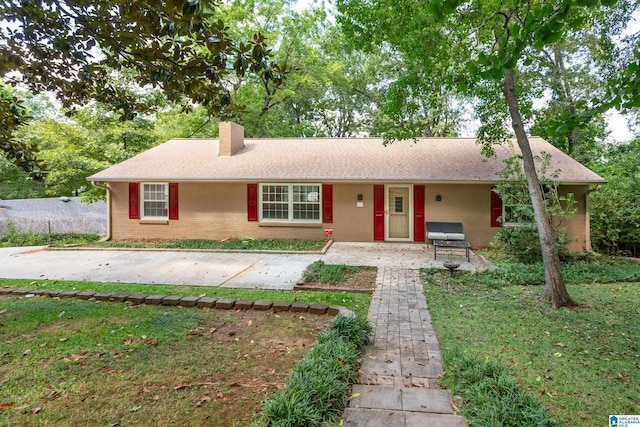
(496, 209)
(327, 203)
(252, 202)
(173, 200)
(418, 213)
(134, 205)
(378, 212)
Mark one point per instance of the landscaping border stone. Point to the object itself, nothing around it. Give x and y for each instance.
(184, 301)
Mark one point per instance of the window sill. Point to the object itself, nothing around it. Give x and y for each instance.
(153, 221)
(291, 224)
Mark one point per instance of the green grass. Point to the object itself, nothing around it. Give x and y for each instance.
(14, 237)
(583, 363)
(75, 362)
(331, 274)
(357, 302)
(230, 244)
(577, 270)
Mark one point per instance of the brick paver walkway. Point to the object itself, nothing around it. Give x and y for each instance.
(398, 384)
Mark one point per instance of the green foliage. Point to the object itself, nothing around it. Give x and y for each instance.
(615, 208)
(16, 184)
(182, 48)
(491, 396)
(13, 237)
(576, 269)
(519, 235)
(231, 244)
(328, 273)
(317, 389)
(558, 356)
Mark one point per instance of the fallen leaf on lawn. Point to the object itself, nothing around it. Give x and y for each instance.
(53, 395)
(6, 405)
(42, 345)
(249, 322)
(152, 341)
(144, 337)
(212, 330)
(146, 390)
(63, 339)
(66, 360)
(35, 411)
(4, 310)
(21, 407)
(202, 295)
(181, 386)
(26, 352)
(156, 397)
(193, 335)
(135, 409)
(61, 314)
(77, 356)
(203, 400)
(127, 341)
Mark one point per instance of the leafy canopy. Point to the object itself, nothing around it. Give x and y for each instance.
(70, 48)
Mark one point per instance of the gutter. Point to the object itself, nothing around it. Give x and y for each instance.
(108, 190)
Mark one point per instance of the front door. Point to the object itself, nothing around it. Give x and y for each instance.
(398, 213)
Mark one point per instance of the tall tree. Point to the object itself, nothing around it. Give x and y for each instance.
(481, 45)
(70, 47)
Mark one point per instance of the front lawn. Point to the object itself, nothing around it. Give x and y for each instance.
(583, 362)
(357, 302)
(76, 362)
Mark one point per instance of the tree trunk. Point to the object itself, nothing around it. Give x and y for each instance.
(555, 290)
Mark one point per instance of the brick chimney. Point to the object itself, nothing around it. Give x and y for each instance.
(231, 138)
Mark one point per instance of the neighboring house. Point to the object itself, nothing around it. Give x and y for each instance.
(299, 188)
(54, 215)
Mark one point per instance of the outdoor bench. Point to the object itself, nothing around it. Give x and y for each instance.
(444, 231)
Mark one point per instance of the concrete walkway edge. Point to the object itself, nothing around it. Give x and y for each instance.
(398, 386)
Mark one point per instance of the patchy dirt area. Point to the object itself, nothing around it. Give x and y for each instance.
(90, 364)
(365, 279)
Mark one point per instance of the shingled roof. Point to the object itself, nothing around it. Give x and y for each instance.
(428, 160)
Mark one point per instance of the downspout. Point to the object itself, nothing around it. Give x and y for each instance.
(108, 190)
(587, 215)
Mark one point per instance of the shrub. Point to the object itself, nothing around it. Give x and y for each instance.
(490, 394)
(317, 389)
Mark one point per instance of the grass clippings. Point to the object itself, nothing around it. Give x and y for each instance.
(583, 363)
(75, 362)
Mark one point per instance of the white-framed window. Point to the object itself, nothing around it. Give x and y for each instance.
(155, 200)
(511, 218)
(290, 202)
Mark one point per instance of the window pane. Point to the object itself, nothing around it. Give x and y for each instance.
(155, 200)
(275, 202)
(399, 205)
(306, 204)
(306, 211)
(275, 211)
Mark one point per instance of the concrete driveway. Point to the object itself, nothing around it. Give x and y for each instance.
(218, 269)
